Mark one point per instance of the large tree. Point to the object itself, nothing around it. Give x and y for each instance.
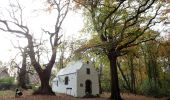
(23, 72)
(16, 26)
(120, 24)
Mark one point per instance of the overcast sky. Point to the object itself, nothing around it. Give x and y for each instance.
(36, 18)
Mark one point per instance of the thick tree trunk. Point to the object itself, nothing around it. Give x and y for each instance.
(22, 79)
(22, 72)
(45, 88)
(44, 74)
(115, 91)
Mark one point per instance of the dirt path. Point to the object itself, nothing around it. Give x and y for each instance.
(27, 96)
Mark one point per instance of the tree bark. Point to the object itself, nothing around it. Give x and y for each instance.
(44, 74)
(45, 88)
(22, 73)
(115, 91)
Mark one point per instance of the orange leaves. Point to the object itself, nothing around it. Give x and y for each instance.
(79, 3)
(164, 49)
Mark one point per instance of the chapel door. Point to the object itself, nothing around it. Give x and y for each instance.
(88, 88)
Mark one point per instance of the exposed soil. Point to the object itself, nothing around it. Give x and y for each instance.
(27, 96)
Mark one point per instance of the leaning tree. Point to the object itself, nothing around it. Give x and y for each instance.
(15, 25)
(120, 24)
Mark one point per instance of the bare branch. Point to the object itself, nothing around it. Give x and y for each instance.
(110, 14)
(142, 32)
(19, 6)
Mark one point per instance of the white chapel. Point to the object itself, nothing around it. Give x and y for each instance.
(78, 79)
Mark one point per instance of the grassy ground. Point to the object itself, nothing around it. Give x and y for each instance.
(6, 93)
(10, 95)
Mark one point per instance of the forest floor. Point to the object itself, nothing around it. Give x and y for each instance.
(10, 95)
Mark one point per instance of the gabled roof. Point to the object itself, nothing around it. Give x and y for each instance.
(72, 67)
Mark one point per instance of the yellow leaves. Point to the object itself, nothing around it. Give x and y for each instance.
(168, 1)
(95, 39)
(95, 42)
(78, 4)
(164, 48)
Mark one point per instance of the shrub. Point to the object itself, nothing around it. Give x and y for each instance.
(149, 87)
(168, 98)
(9, 80)
(7, 83)
(5, 86)
(105, 86)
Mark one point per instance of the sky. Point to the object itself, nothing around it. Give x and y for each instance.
(36, 18)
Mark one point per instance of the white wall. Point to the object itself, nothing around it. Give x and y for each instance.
(75, 80)
(61, 88)
(83, 76)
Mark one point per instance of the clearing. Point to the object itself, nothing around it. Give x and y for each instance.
(10, 95)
